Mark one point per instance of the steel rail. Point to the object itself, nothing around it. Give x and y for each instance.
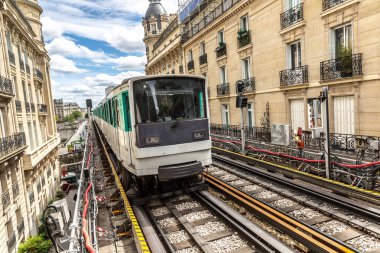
(311, 238)
(141, 244)
(357, 192)
(349, 204)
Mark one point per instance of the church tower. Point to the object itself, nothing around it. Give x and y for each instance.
(154, 22)
(32, 11)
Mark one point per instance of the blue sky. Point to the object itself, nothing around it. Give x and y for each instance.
(94, 44)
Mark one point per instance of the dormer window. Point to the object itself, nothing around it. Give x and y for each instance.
(153, 28)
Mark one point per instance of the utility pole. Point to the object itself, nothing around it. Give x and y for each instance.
(241, 102)
(324, 96)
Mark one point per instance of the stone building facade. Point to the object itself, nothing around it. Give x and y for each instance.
(285, 52)
(29, 169)
(58, 108)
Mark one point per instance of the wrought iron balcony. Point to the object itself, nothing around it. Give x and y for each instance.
(181, 69)
(6, 86)
(33, 107)
(11, 243)
(249, 84)
(291, 16)
(27, 69)
(38, 74)
(203, 59)
(221, 50)
(42, 108)
(190, 65)
(223, 89)
(22, 65)
(20, 227)
(31, 197)
(294, 76)
(12, 143)
(6, 199)
(12, 58)
(27, 107)
(327, 4)
(15, 189)
(343, 67)
(244, 38)
(18, 106)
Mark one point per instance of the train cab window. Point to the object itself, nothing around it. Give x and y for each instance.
(117, 110)
(169, 99)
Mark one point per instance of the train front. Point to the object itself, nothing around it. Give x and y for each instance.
(172, 127)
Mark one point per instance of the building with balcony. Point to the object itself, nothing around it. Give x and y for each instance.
(58, 108)
(28, 136)
(286, 51)
(69, 108)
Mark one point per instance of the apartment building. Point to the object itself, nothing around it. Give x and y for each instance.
(285, 51)
(58, 108)
(69, 108)
(29, 169)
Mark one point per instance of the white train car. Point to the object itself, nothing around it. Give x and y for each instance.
(158, 128)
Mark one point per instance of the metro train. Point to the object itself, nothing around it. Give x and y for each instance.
(158, 129)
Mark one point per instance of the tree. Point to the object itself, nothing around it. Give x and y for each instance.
(69, 118)
(35, 244)
(76, 114)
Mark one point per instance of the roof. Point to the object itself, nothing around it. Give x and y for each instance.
(155, 9)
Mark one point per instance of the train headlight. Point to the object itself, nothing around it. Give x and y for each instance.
(152, 140)
(199, 135)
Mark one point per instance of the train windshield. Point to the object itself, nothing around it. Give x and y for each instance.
(170, 99)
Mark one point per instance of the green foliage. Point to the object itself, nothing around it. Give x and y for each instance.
(56, 118)
(35, 244)
(76, 114)
(344, 61)
(69, 118)
(86, 115)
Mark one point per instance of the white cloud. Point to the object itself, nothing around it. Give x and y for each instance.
(110, 80)
(61, 64)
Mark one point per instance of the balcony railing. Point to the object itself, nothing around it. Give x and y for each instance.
(18, 106)
(171, 27)
(294, 76)
(208, 19)
(347, 66)
(22, 65)
(234, 131)
(20, 227)
(203, 59)
(291, 16)
(327, 4)
(38, 74)
(221, 50)
(11, 243)
(15, 189)
(223, 89)
(42, 108)
(33, 107)
(27, 69)
(27, 107)
(190, 65)
(243, 38)
(12, 143)
(12, 58)
(249, 84)
(6, 199)
(6, 86)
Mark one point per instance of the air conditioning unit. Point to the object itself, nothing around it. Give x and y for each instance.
(63, 209)
(374, 144)
(280, 134)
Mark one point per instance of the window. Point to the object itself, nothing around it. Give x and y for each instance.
(244, 23)
(31, 138)
(153, 28)
(202, 48)
(342, 41)
(222, 75)
(30, 93)
(315, 114)
(294, 52)
(220, 37)
(117, 112)
(9, 42)
(297, 113)
(344, 115)
(246, 68)
(190, 55)
(250, 115)
(227, 4)
(36, 134)
(24, 90)
(3, 118)
(225, 115)
(293, 3)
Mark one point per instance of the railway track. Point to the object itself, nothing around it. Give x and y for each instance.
(329, 220)
(199, 222)
(370, 196)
